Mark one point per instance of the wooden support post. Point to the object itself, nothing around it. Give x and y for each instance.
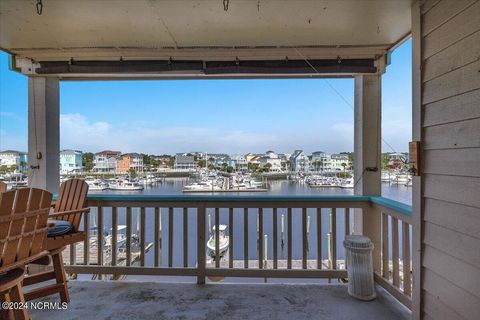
(185, 237)
(201, 251)
(43, 133)
(245, 238)
(367, 153)
(417, 189)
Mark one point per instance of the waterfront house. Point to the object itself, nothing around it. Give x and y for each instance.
(253, 158)
(185, 161)
(426, 256)
(240, 162)
(16, 159)
(321, 161)
(339, 162)
(299, 161)
(272, 160)
(70, 161)
(105, 161)
(129, 162)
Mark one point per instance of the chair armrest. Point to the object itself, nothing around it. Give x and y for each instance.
(63, 213)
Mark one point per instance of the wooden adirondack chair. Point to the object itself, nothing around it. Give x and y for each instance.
(23, 230)
(70, 206)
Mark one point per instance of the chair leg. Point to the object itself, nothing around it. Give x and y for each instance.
(16, 295)
(60, 276)
(5, 313)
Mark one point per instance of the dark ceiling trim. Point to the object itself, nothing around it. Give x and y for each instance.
(286, 66)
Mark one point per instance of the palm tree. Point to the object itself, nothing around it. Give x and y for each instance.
(344, 165)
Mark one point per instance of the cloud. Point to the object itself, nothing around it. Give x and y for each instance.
(77, 132)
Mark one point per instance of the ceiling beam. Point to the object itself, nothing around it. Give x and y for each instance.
(207, 68)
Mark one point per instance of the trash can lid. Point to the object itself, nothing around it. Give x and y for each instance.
(357, 241)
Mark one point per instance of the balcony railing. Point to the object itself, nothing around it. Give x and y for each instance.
(269, 237)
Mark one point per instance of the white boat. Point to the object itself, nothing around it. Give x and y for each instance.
(125, 185)
(347, 183)
(386, 176)
(96, 185)
(401, 178)
(224, 241)
(322, 182)
(121, 237)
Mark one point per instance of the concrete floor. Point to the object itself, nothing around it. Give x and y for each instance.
(147, 300)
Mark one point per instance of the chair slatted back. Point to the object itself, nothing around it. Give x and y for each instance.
(3, 186)
(23, 225)
(72, 196)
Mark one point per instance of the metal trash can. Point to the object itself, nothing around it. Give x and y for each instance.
(358, 256)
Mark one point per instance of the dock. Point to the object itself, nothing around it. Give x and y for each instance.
(121, 258)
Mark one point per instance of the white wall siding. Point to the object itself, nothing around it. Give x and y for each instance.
(451, 140)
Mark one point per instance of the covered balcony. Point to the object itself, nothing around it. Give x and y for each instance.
(303, 276)
(426, 256)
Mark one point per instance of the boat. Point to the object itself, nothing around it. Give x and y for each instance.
(322, 182)
(224, 241)
(125, 185)
(121, 237)
(386, 176)
(401, 178)
(347, 183)
(96, 185)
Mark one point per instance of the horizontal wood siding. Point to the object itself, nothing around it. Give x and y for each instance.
(453, 109)
(453, 57)
(451, 142)
(456, 189)
(456, 298)
(438, 310)
(459, 162)
(442, 13)
(449, 267)
(456, 82)
(460, 218)
(451, 31)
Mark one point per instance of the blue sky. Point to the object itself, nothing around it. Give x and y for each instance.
(231, 116)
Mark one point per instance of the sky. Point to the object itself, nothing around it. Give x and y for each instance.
(217, 116)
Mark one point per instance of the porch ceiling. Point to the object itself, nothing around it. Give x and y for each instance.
(202, 30)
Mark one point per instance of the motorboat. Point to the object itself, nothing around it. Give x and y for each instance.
(224, 241)
(386, 177)
(347, 183)
(125, 185)
(121, 237)
(96, 185)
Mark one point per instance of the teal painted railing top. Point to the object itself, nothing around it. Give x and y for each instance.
(385, 202)
(224, 198)
(392, 204)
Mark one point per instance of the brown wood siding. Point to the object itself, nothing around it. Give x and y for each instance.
(451, 139)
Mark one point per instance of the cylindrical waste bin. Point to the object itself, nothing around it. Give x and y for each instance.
(358, 256)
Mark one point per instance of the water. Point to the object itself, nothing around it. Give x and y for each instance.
(173, 186)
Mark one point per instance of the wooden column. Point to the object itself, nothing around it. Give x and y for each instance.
(43, 133)
(367, 156)
(417, 207)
